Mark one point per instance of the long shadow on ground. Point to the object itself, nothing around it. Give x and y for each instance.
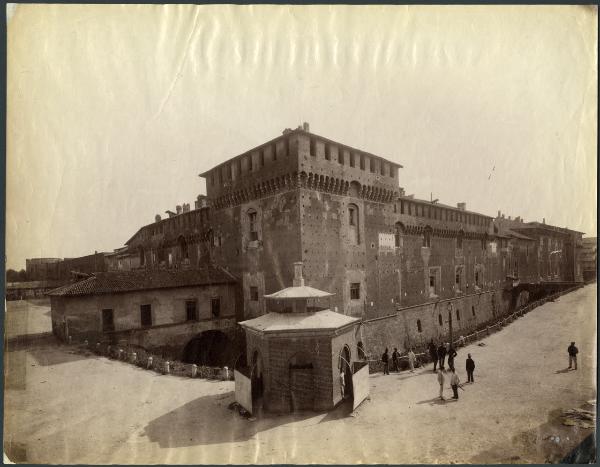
(207, 420)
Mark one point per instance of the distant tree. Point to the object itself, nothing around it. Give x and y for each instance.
(12, 276)
(23, 275)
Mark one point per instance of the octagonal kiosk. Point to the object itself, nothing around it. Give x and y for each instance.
(300, 355)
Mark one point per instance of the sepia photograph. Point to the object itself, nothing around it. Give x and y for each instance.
(300, 234)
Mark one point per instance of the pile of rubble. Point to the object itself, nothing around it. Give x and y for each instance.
(580, 417)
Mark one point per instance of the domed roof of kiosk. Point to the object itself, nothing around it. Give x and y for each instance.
(298, 292)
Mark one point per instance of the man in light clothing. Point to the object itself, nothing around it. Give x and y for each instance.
(411, 360)
(441, 380)
(454, 382)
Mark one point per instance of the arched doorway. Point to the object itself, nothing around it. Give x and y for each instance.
(345, 367)
(210, 348)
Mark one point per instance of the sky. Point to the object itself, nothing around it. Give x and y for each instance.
(114, 110)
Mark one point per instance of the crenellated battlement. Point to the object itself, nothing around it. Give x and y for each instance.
(295, 152)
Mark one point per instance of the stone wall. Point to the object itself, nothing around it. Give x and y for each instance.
(81, 317)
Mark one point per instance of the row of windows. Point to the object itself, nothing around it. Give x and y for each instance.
(356, 159)
(441, 320)
(146, 317)
(437, 213)
(246, 164)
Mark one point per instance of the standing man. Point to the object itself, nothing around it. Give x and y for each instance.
(470, 369)
(441, 355)
(395, 356)
(411, 360)
(433, 354)
(454, 382)
(451, 355)
(440, 378)
(573, 351)
(385, 358)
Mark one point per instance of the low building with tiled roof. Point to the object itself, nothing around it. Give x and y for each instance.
(181, 313)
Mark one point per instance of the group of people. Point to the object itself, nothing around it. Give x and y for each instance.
(438, 355)
(385, 358)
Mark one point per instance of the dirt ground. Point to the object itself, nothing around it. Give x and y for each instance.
(63, 407)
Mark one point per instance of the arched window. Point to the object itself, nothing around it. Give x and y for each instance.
(253, 225)
(457, 315)
(183, 249)
(427, 237)
(398, 234)
(440, 320)
(419, 328)
(353, 224)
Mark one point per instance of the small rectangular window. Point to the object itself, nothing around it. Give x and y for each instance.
(327, 152)
(215, 307)
(146, 315)
(261, 159)
(341, 156)
(352, 159)
(401, 207)
(313, 147)
(254, 294)
(191, 310)
(108, 320)
(355, 291)
(372, 165)
(250, 163)
(362, 162)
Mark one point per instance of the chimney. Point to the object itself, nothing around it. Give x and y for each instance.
(170, 213)
(544, 220)
(286, 131)
(502, 216)
(499, 213)
(462, 206)
(157, 218)
(508, 217)
(306, 127)
(186, 207)
(298, 279)
(178, 209)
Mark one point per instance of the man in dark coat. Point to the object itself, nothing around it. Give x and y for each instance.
(395, 356)
(385, 358)
(451, 355)
(470, 369)
(573, 351)
(433, 354)
(441, 351)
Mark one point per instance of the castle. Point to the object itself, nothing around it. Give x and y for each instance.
(412, 270)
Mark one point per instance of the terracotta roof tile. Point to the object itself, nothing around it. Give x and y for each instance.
(143, 279)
